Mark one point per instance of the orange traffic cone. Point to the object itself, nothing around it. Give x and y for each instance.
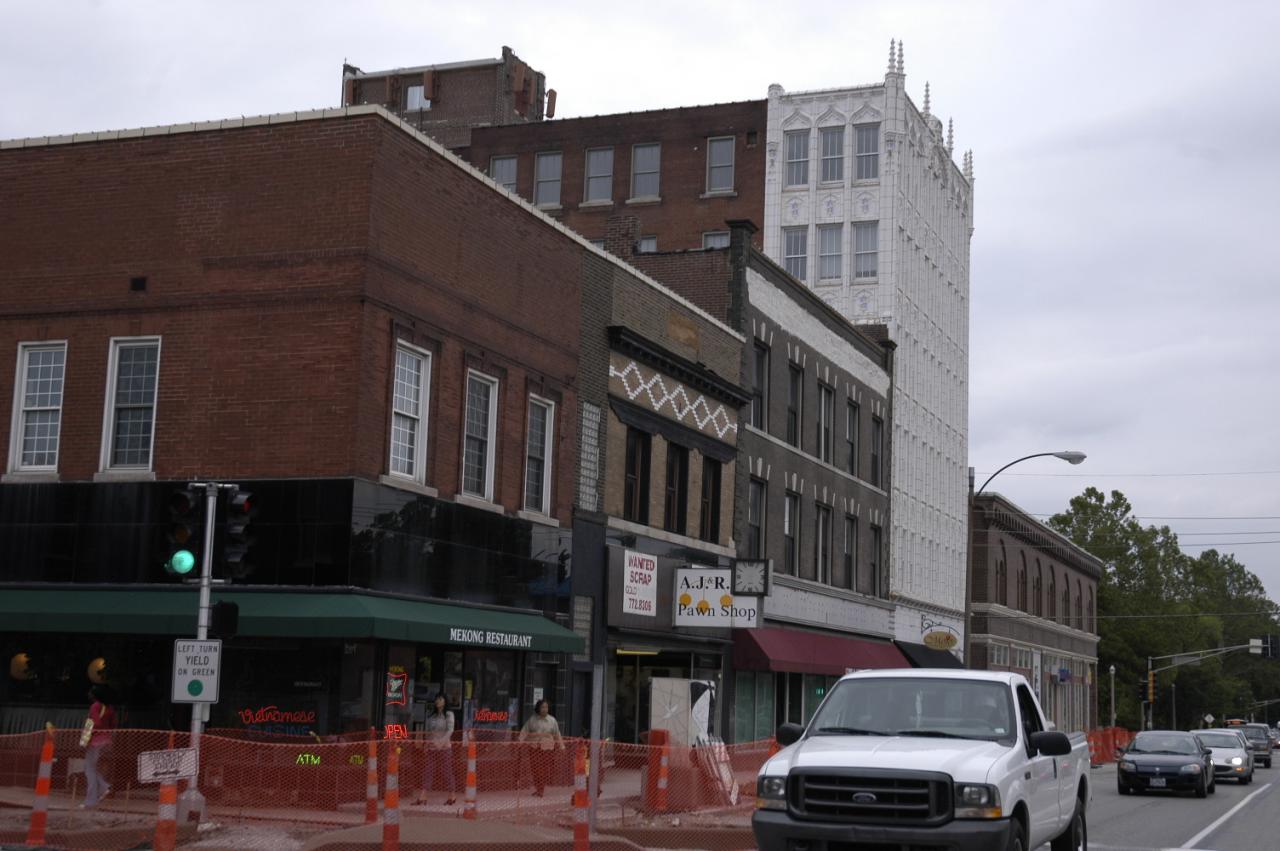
(581, 829)
(663, 769)
(469, 810)
(371, 782)
(40, 806)
(391, 810)
(167, 821)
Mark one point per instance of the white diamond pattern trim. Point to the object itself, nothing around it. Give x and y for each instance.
(699, 410)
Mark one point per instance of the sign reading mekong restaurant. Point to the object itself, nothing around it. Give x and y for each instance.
(704, 597)
(490, 638)
(639, 584)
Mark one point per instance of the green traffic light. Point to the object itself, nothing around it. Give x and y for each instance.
(180, 563)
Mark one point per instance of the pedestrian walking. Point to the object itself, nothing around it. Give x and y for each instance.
(542, 731)
(439, 726)
(96, 739)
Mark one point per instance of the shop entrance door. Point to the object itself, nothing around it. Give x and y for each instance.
(633, 678)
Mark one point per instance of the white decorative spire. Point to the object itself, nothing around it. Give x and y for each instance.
(926, 97)
(893, 58)
(900, 49)
(968, 165)
(951, 135)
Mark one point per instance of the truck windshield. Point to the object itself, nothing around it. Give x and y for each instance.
(932, 708)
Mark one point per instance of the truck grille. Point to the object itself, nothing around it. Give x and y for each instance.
(870, 796)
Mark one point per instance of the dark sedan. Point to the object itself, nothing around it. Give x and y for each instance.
(1166, 759)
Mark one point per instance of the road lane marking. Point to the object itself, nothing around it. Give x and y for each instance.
(1193, 841)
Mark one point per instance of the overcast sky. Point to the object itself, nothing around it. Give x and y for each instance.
(1124, 284)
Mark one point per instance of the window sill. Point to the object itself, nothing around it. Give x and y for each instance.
(549, 208)
(538, 517)
(646, 199)
(670, 537)
(125, 476)
(796, 187)
(719, 193)
(596, 205)
(829, 282)
(404, 484)
(477, 502)
(866, 181)
(830, 184)
(29, 477)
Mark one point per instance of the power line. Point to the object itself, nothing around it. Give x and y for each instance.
(1136, 475)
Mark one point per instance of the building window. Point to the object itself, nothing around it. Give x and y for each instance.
(546, 180)
(538, 455)
(797, 157)
(1093, 622)
(1037, 589)
(791, 533)
(676, 506)
(409, 406)
(795, 252)
(873, 563)
(644, 170)
(599, 182)
(795, 401)
(131, 403)
(1066, 600)
(866, 241)
(1079, 606)
(477, 451)
(832, 153)
(709, 511)
(503, 172)
(1022, 586)
(822, 543)
(715, 239)
(851, 429)
(1052, 597)
(37, 422)
(635, 499)
(848, 577)
(760, 388)
(867, 141)
(414, 99)
(647, 245)
(826, 415)
(829, 252)
(877, 450)
(756, 495)
(720, 164)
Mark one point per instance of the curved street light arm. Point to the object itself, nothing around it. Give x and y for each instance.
(1010, 464)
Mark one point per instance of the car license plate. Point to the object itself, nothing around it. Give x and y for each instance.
(1157, 783)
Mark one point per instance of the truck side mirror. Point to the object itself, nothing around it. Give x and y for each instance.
(1051, 743)
(789, 734)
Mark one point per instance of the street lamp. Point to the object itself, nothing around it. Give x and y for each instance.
(1070, 456)
(1113, 695)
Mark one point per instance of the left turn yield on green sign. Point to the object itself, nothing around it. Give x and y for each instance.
(195, 670)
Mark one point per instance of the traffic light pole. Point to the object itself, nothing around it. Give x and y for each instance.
(192, 800)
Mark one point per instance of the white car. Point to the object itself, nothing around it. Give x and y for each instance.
(1232, 757)
(903, 758)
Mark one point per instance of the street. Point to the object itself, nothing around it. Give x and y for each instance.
(1235, 818)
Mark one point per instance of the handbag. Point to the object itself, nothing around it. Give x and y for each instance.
(87, 733)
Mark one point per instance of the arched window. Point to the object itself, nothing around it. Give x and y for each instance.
(1053, 596)
(1022, 584)
(1037, 591)
(1093, 615)
(1066, 599)
(1079, 606)
(1002, 577)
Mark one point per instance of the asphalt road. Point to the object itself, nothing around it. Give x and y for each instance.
(1235, 818)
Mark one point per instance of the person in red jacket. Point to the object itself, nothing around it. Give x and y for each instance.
(98, 727)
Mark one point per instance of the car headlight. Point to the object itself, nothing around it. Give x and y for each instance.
(771, 793)
(1193, 768)
(1235, 760)
(1126, 765)
(977, 800)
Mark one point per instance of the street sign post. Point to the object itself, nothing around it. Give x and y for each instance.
(195, 670)
(158, 766)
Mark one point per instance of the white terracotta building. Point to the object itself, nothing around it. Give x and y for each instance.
(864, 202)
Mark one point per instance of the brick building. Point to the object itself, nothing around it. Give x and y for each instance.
(1033, 602)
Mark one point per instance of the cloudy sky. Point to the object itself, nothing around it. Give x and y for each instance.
(1124, 266)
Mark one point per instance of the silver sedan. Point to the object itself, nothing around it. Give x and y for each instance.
(1232, 757)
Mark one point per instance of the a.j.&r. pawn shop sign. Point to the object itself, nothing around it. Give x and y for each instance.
(704, 597)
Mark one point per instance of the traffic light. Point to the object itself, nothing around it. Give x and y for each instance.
(236, 534)
(186, 515)
(1151, 686)
(1142, 691)
(1270, 647)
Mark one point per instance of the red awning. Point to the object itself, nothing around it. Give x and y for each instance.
(803, 652)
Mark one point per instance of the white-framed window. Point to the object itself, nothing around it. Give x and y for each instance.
(546, 179)
(538, 455)
(647, 245)
(715, 239)
(866, 248)
(478, 435)
(797, 157)
(832, 139)
(415, 98)
(599, 177)
(37, 406)
(720, 164)
(867, 151)
(129, 421)
(645, 161)
(830, 258)
(503, 172)
(795, 252)
(410, 401)
(1000, 655)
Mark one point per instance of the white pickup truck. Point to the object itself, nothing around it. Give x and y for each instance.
(945, 759)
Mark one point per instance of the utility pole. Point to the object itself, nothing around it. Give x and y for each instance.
(1173, 696)
(1113, 695)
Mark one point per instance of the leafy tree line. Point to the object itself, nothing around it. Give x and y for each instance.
(1155, 600)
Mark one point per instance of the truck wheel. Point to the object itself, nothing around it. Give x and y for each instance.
(1018, 836)
(1076, 836)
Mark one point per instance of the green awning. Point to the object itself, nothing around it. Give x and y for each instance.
(283, 614)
